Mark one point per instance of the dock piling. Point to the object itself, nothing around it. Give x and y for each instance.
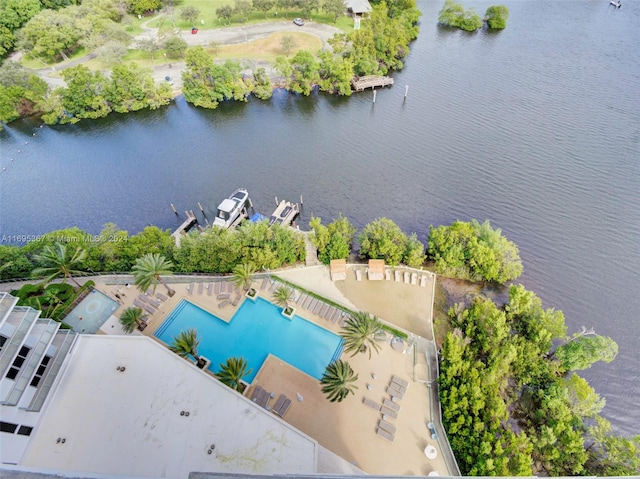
(301, 203)
(406, 91)
(277, 201)
(201, 208)
(173, 208)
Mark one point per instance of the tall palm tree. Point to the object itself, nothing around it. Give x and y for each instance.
(282, 296)
(232, 372)
(186, 344)
(338, 381)
(243, 276)
(131, 318)
(359, 333)
(148, 270)
(59, 259)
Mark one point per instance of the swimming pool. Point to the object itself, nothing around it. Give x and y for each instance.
(256, 330)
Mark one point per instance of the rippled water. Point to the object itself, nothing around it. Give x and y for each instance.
(535, 128)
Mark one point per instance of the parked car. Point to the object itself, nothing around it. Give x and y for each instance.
(298, 21)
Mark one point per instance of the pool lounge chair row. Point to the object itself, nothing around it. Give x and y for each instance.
(407, 277)
(322, 309)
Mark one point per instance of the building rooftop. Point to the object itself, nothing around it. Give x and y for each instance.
(128, 406)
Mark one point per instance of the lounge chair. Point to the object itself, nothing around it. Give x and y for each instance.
(209, 289)
(256, 391)
(387, 274)
(224, 296)
(138, 303)
(371, 403)
(414, 278)
(385, 426)
(279, 403)
(407, 277)
(397, 276)
(190, 288)
(307, 302)
(224, 303)
(143, 298)
(284, 407)
(390, 404)
(216, 287)
(236, 300)
(312, 304)
(200, 286)
(389, 412)
(329, 312)
(303, 297)
(423, 281)
(263, 398)
(150, 309)
(336, 314)
(398, 387)
(155, 303)
(161, 297)
(264, 282)
(318, 307)
(394, 393)
(398, 380)
(358, 275)
(387, 435)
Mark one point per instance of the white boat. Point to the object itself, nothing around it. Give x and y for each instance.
(232, 210)
(285, 213)
(616, 3)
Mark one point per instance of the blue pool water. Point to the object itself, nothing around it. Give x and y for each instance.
(255, 330)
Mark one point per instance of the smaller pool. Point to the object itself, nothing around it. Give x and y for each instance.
(92, 312)
(256, 330)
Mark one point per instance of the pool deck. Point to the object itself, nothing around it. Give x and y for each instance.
(347, 428)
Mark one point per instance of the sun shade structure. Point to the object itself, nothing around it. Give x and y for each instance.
(376, 269)
(338, 269)
(358, 7)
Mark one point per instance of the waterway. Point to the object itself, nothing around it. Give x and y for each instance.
(535, 128)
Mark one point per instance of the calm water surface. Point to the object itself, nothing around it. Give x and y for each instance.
(535, 128)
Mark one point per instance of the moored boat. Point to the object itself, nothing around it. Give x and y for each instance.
(233, 210)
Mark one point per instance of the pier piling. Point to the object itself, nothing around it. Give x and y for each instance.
(201, 208)
(174, 209)
(406, 91)
(374, 95)
(277, 201)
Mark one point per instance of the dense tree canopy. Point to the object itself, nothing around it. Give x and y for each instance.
(454, 15)
(333, 241)
(21, 92)
(496, 16)
(473, 251)
(507, 407)
(383, 239)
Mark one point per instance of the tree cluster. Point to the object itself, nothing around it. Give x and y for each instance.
(21, 92)
(473, 251)
(218, 250)
(206, 84)
(383, 239)
(510, 407)
(333, 241)
(94, 95)
(454, 15)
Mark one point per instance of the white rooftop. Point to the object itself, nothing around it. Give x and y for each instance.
(130, 423)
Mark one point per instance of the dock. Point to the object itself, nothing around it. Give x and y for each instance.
(184, 227)
(285, 213)
(370, 81)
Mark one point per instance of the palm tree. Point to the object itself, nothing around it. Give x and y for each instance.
(59, 260)
(232, 372)
(243, 276)
(359, 333)
(131, 318)
(282, 296)
(338, 381)
(147, 271)
(186, 344)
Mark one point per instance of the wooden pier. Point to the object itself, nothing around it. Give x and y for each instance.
(370, 81)
(184, 227)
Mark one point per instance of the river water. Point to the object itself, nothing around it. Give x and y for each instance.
(535, 128)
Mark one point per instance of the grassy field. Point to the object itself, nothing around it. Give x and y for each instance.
(268, 48)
